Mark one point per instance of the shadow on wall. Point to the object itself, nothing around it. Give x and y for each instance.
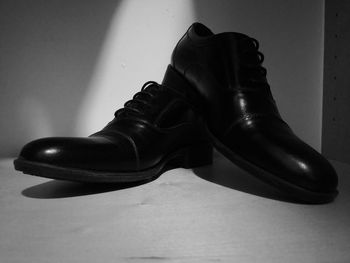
(48, 52)
(290, 34)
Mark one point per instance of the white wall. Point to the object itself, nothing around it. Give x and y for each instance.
(137, 48)
(66, 66)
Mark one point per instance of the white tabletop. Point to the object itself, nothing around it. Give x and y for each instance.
(216, 213)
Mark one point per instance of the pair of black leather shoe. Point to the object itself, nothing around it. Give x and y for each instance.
(214, 92)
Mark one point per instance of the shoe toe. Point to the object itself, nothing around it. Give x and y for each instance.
(314, 172)
(45, 150)
(91, 153)
(274, 152)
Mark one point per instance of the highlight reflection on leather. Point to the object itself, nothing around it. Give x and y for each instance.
(241, 114)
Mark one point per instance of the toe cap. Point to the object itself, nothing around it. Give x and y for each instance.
(44, 150)
(91, 153)
(313, 171)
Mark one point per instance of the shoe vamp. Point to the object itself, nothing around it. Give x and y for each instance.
(271, 145)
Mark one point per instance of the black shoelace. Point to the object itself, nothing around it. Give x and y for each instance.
(141, 101)
(253, 72)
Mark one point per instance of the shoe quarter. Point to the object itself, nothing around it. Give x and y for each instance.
(175, 113)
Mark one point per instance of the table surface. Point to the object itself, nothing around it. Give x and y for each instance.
(215, 213)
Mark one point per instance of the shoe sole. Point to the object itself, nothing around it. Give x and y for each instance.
(189, 157)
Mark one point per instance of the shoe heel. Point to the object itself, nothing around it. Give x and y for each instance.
(194, 156)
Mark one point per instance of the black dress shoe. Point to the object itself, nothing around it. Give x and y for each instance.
(157, 130)
(241, 115)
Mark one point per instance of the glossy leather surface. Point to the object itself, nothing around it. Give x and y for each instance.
(157, 122)
(239, 108)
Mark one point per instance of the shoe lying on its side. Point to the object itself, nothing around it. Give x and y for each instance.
(241, 115)
(157, 130)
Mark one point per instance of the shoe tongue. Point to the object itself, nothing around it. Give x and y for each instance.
(243, 41)
(200, 31)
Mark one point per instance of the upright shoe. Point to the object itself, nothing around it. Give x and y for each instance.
(158, 129)
(241, 115)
